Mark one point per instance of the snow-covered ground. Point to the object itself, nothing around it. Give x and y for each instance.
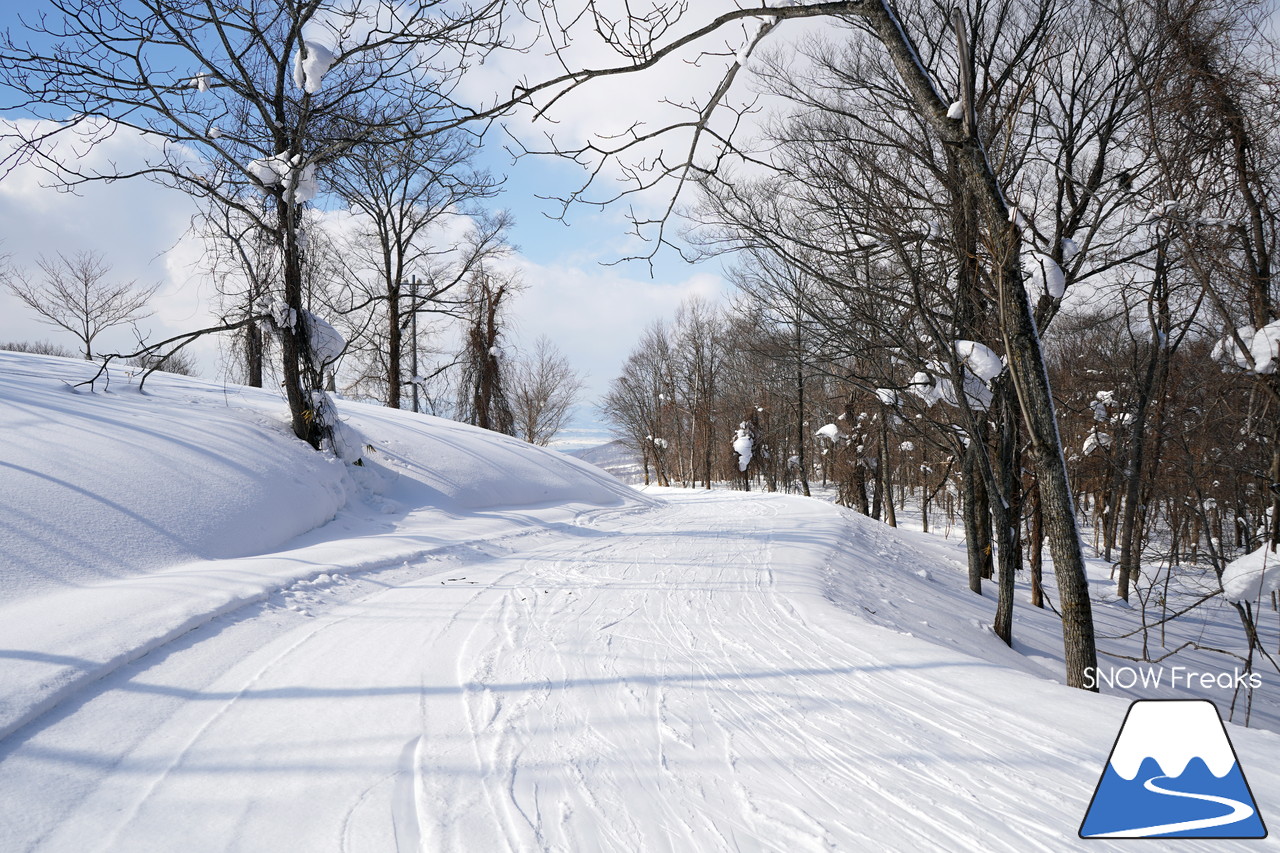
(465, 643)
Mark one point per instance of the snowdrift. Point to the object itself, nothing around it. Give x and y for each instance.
(118, 482)
(128, 515)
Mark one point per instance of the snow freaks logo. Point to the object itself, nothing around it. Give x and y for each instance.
(1172, 774)
(1128, 677)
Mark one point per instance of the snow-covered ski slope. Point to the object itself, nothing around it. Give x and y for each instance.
(128, 516)
(490, 647)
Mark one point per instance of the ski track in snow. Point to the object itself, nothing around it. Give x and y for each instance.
(670, 679)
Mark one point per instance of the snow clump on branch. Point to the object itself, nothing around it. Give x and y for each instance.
(282, 315)
(1044, 271)
(1094, 440)
(327, 343)
(309, 71)
(743, 445)
(981, 366)
(1261, 352)
(298, 180)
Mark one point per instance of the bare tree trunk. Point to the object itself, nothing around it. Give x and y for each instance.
(801, 437)
(1037, 550)
(1130, 548)
(1022, 343)
(295, 342)
(1036, 401)
(253, 355)
(877, 490)
(976, 511)
(860, 487)
(1008, 512)
(1275, 492)
(886, 478)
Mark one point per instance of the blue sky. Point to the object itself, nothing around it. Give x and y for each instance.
(594, 313)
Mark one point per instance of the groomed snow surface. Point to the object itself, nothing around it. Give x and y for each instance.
(213, 638)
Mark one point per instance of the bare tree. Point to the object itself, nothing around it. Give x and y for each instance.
(264, 93)
(483, 396)
(241, 260)
(543, 390)
(778, 291)
(635, 404)
(38, 347)
(406, 191)
(180, 362)
(1001, 231)
(73, 293)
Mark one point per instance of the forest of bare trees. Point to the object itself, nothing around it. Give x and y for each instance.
(881, 342)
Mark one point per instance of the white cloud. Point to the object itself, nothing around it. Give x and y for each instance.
(134, 224)
(595, 314)
(606, 110)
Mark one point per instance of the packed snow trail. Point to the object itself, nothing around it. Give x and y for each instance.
(676, 678)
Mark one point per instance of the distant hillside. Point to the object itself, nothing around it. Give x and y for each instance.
(616, 458)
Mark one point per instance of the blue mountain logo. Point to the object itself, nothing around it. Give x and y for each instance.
(1173, 774)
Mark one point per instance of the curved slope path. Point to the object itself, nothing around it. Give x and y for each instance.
(677, 678)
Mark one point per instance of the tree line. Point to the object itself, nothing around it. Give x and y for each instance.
(926, 240)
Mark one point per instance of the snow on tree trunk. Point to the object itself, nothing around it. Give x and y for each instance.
(743, 445)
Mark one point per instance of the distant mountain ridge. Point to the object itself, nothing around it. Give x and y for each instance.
(615, 458)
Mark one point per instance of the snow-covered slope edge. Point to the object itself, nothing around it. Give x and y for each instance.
(105, 485)
(114, 502)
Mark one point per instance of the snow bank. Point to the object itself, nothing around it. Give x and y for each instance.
(119, 482)
(126, 516)
(420, 460)
(1252, 576)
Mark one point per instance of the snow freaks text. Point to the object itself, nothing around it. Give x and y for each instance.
(1151, 676)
